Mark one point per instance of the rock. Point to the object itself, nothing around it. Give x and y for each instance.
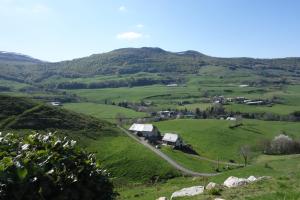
(235, 182)
(251, 179)
(210, 185)
(191, 191)
(219, 199)
(162, 198)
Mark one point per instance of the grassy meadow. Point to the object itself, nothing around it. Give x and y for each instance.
(102, 111)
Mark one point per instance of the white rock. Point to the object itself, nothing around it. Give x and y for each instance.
(162, 198)
(191, 191)
(252, 178)
(210, 185)
(219, 199)
(235, 182)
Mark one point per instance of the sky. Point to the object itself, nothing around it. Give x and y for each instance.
(55, 30)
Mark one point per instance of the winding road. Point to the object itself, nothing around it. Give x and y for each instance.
(170, 160)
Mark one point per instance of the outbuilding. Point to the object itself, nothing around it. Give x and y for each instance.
(172, 139)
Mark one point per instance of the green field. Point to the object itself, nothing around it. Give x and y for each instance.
(102, 111)
(276, 109)
(128, 161)
(214, 138)
(284, 182)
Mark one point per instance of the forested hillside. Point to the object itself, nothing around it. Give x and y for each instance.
(135, 60)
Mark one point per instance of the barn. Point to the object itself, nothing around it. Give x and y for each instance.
(145, 130)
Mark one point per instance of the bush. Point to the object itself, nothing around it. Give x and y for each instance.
(45, 167)
(281, 144)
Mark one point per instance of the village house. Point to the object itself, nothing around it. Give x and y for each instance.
(172, 139)
(166, 114)
(145, 130)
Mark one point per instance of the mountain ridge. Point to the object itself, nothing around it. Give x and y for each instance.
(135, 60)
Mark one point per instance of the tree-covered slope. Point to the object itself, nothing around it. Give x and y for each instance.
(134, 60)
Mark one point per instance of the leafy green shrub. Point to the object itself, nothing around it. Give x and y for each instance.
(215, 191)
(40, 166)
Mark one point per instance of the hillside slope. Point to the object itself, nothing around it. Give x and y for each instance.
(125, 159)
(135, 60)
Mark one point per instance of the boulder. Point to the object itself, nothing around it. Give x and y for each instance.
(191, 191)
(235, 182)
(219, 199)
(162, 198)
(252, 178)
(210, 185)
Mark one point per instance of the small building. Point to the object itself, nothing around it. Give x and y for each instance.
(255, 103)
(172, 139)
(145, 130)
(231, 118)
(167, 114)
(172, 85)
(56, 103)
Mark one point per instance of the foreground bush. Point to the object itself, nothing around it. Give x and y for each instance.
(46, 167)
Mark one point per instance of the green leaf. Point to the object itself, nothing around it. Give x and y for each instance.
(22, 173)
(7, 162)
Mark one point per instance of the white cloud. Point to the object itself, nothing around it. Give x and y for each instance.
(122, 8)
(140, 26)
(129, 36)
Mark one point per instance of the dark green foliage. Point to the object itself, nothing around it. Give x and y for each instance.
(46, 167)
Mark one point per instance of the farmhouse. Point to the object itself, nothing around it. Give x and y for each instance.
(172, 139)
(145, 130)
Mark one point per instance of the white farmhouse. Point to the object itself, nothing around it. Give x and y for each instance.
(172, 139)
(145, 130)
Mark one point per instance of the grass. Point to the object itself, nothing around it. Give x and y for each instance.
(102, 111)
(214, 138)
(276, 109)
(284, 183)
(191, 162)
(128, 161)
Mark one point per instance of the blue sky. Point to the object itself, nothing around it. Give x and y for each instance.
(57, 30)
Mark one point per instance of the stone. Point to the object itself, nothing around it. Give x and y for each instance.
(235, 182)
(191, 191)
(162, 198)
(210, 185)
(252, 178)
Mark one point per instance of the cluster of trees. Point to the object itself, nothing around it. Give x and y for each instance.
(4, 89)
(281, 144)
(113, 83)
(295, 116)
(38, 166)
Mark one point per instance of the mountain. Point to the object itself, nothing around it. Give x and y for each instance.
(135, 60)
(16, 57)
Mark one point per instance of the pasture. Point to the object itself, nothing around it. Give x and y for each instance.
(214, 139)
(102, 111)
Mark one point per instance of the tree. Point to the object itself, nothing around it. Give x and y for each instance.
(120, 119)
(40, 166)
(245, 152)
